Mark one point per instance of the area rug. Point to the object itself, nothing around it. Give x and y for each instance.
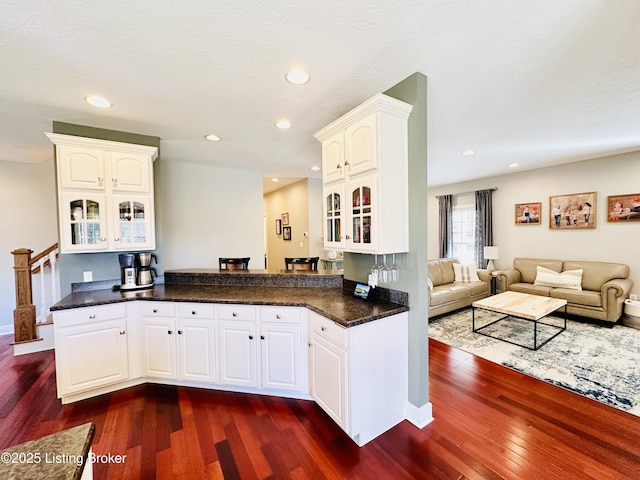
(598, 362)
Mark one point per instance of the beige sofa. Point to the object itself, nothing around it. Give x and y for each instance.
(446, 295)
(604, 287)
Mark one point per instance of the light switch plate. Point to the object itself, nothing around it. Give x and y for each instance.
(87, 276)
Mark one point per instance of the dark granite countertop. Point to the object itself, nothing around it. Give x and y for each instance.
(60, 456)
(333, 303)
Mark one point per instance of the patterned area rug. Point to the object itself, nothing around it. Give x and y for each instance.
(597, 362)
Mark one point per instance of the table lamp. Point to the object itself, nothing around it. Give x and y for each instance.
(491, 254)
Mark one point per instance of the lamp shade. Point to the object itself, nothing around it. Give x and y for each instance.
(491, 253)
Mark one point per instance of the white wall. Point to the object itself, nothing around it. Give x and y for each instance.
(29, 220)
(210, 212)
(608, 242)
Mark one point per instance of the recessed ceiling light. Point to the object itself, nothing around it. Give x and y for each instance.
(514, 165)
(297, 76)
(284, 124)
(315, 168)
(466, 153)
(97, 101)
(212, 137)
(275, 180)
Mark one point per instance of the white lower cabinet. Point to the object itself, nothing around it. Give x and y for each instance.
(181, 347)
(91, 348)
(281, 348)
(359, 375)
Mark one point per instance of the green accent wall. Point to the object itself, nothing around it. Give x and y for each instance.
(413, 265)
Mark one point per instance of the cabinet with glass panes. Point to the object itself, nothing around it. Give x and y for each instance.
(105, 192)
(365, 178)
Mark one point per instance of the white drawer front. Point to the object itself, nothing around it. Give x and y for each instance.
(157, 309)
(77, 316)
(329, 329)
(236, 312)
(280, 314)
(196, 310)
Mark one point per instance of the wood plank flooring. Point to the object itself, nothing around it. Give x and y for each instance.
(491, 423)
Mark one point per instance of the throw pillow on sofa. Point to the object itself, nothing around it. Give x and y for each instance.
(465, 273)
(569, 279)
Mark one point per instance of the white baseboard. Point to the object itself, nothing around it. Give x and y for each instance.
(420, 416)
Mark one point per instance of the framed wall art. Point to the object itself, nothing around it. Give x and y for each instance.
(286, 233)
(285, 218)
(528, 213)
(278, 226)
(575, 211)
(623, 208)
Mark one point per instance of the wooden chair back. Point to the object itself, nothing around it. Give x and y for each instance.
(301, 263)
(234, 263)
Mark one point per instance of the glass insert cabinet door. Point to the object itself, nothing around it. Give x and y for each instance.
(133, 226)
(84, 222)
(361, 215)
(333, 225)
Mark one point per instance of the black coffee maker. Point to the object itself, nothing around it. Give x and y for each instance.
(127, 271)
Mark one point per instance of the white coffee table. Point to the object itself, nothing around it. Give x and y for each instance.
(524, 306)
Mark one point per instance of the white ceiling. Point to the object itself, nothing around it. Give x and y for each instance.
(538, 83)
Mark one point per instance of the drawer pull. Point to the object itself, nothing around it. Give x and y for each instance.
(155, 310)
(278, 316)
(193, 312)
(122, 332)
(92, 316)
(234, 314)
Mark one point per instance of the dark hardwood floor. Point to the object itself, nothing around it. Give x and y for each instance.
(490, 423)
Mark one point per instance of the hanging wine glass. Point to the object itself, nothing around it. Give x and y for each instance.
(394, 270)
(384, 270)
(375, 270)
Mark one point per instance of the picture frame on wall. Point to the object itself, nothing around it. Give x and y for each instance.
(576, 211)
(286, 233)
(528, 213)
(623, 208)
(285, 218)
(278, 226)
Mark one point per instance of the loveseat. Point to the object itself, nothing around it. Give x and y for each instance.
(446, 294)
(592, 289)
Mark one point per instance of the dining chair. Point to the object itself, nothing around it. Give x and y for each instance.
(301, 263)
(234, 263)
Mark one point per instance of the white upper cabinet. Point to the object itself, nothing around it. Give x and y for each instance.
(365, 178)
(105, 194)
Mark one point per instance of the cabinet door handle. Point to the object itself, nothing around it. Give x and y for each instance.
(250, 337)
(170, 332)
(309, 344)
(338, 166)
(324, 329)
(122, 332)
(346, 163)
(261, 337)
(115, 181)
(103, 239)
(347, 237)
(116, 239)
(179, 332)
(100, 180)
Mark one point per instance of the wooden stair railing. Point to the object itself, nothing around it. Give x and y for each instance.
(24, 315)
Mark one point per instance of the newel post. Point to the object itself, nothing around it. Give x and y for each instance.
(24, 316)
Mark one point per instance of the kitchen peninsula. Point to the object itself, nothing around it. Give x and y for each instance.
(292, 334)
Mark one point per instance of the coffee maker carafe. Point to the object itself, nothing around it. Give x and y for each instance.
(127, 271)
(145, 272)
